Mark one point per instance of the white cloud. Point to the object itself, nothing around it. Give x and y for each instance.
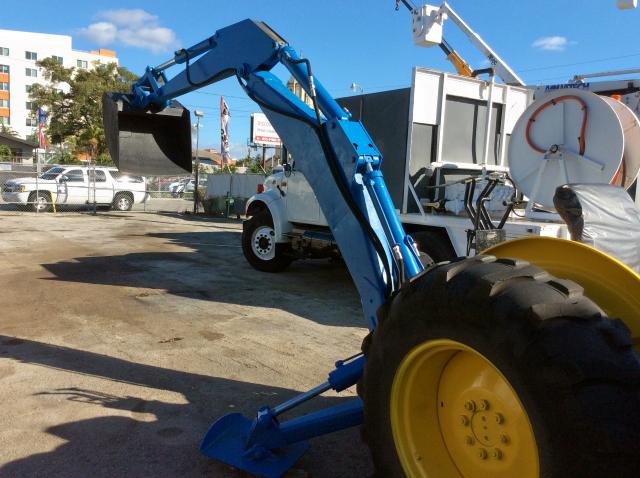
(156, 39)
(131, 27)
(133, 17)
(552, 43)
(101, 33)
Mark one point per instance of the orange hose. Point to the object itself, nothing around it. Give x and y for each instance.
(553, 102)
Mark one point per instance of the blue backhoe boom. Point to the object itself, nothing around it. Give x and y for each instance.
(342, 164)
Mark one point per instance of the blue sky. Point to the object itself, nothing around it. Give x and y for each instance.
(367, 42)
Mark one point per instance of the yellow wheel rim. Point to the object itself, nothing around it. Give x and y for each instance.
(612, 285)
(453, 414)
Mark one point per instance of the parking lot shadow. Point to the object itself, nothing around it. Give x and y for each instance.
(210, 266)
(152, 437)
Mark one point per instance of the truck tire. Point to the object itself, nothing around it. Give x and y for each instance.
(433, 248)
(259, 246)
(492, 367)
(122, 202)
(41, 201)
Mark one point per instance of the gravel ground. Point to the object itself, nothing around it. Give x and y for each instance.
(123, 336)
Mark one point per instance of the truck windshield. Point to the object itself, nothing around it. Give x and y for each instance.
(52, 173)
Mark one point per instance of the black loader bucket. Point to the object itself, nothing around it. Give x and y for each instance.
(145, 142)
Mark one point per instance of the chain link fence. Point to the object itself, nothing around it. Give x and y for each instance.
(29, 186)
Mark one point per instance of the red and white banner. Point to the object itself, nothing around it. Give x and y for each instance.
(225, 116)
(42, 122)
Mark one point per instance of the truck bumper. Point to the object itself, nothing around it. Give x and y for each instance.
(15, 197)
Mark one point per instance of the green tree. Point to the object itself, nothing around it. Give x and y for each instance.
(5, 129)
(5, 153)
(76, 117)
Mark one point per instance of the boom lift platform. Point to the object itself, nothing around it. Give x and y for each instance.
(480, 367)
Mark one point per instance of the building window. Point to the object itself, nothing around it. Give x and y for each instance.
(31, 72)
(31, 55)
(4, 68)
(4, 86)
(5, 120)
(82, 64)
(28, 88)
(57, 58)
(4, 104)
(4, 51)
(30, 106)
(31, 122)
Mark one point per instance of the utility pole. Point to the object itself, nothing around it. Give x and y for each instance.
(196, 199)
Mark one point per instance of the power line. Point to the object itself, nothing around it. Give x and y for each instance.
(579, 63)
(221, 94)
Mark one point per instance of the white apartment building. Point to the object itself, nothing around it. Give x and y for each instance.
(19, 52)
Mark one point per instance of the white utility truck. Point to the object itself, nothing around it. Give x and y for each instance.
(430, 135)
(439, 159)
(76, 185)
(468, 162)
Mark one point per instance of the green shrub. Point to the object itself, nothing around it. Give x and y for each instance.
(5, 153)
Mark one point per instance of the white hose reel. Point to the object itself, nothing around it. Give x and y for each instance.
(573, 136)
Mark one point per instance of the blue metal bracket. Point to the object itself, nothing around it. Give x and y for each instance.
(267, 447)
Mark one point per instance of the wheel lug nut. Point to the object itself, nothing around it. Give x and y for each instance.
(482, 454)
(483, 405)
(464, 421)
(470, 405)
(504, 439)
(469, 440)
(499, 418)
(497, 454)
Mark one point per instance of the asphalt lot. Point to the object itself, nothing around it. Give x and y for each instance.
(123, 336)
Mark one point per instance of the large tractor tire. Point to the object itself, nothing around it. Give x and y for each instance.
(490, 367)
(259, 246)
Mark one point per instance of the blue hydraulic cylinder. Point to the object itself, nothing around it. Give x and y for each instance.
(412, 264)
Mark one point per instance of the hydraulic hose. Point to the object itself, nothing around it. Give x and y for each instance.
(554, 102)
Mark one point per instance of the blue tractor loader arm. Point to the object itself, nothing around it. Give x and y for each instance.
(148, 132)
(479, 367)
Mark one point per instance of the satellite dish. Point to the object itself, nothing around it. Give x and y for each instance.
(567, 136)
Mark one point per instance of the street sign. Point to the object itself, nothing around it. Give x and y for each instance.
(262, 133)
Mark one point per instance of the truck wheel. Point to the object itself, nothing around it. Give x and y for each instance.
(122, 202)
(259, 245)
(485, 367)
(41, 201)
(433, 248)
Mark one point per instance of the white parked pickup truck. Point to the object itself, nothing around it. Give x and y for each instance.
(76, 185)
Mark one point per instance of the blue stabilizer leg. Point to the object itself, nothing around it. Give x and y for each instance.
(266, 447)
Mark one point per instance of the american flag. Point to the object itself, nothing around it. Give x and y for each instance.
(42, 122)
(224, 131)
